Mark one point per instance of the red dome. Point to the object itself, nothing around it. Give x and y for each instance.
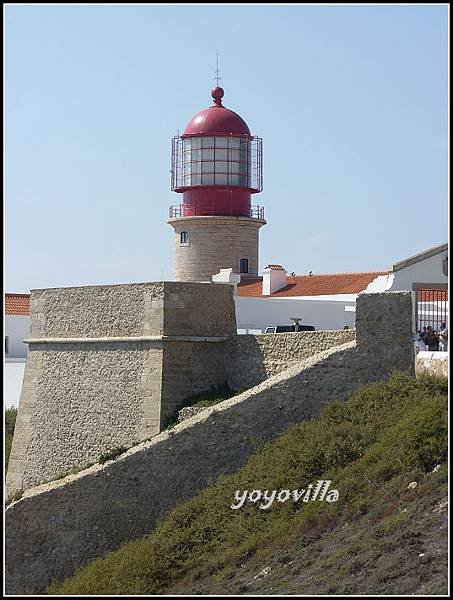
(217, 120)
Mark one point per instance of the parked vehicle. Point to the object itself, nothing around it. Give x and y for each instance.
(288, 328)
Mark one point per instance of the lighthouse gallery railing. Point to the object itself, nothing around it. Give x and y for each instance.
(176, 211)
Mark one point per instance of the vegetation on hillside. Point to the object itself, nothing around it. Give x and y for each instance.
(205, 399)
(397, 547)
(10, 422)
(385, 436)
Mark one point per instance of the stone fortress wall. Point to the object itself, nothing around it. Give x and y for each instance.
(109, 366)
(57, 527)
(253, 358)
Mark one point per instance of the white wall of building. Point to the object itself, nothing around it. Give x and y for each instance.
(255, 314)
(12, 383)
(429, 270)
(17, 329)
(426, 271)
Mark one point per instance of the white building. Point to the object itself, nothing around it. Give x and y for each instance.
(425, 270)
(328, 301)
(17, 327)
(426, 274)
(323, 301)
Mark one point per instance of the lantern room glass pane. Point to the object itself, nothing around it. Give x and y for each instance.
(221, 153)
(207, 179)
(195, 142)
(221, 142)
(208, 154)
(221, 178)
(221, 166)
(208, 142)
(207, 167)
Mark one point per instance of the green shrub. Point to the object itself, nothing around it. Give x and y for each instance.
(72, 471)
(384, 431)
(204, 399)
(103, 458)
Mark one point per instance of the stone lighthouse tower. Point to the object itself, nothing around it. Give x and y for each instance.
(216, 166)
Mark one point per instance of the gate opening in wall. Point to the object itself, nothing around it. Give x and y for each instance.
(432, 308)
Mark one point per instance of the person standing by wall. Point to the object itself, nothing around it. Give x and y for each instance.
(443, 338)
(432, 340)
(422, 339)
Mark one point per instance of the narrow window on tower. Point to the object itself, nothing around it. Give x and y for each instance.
(184, 238)
(244, 265)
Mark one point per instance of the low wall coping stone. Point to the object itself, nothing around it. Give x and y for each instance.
(427, 355)
(144, 338)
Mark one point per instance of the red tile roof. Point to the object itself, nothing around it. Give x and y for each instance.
(431, 295)
(17, 304)
(315, 285)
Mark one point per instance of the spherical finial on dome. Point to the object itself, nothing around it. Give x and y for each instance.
(217, 93)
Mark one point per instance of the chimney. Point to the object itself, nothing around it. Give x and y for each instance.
(274, 279)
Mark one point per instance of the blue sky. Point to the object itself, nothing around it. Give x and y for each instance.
(351, 103)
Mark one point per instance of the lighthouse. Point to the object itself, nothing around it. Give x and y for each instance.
(216, 166)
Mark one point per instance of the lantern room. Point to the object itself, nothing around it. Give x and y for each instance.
(217, 164)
